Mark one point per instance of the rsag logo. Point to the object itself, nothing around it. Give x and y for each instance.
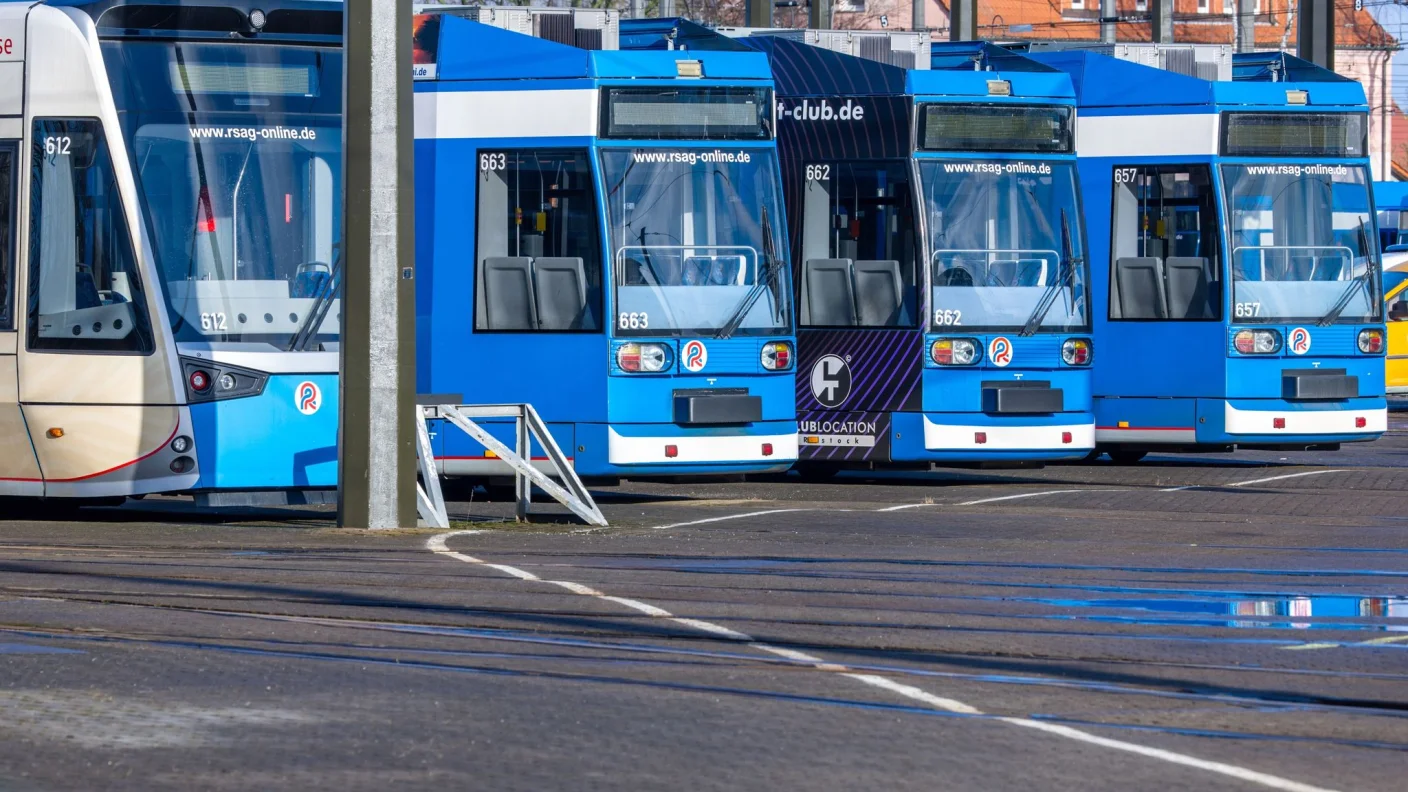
(696, 355)
(1000, 351)
(1300, 341)
(308, 397)
(831, 381)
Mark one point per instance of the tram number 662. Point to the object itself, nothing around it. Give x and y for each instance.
(493, 162)
(818, 173)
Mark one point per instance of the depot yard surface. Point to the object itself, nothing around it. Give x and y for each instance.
(1232, 622)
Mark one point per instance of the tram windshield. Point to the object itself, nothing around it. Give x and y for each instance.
(1303, 243)
(1006, 242)
(237, 150)
(697, 243)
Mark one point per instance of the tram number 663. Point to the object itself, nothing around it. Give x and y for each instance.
(1246, 310)
(634, 320)
(493, 162)
(60, 145)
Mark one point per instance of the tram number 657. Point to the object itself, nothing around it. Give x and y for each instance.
(1246, 310)
(1126, 175)
(493, 162)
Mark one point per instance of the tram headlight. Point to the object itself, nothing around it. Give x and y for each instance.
(181, 444)
(1077, 352)
(643, 358)
(777, 356)
(200, 381)
(1257, 342)
(1371, 341)
(954, 351)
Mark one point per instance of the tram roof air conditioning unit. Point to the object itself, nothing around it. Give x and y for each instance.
(906, 49)
(1204, 61)
(588, 28)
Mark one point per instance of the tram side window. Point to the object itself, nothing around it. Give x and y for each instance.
(85, 293)
(7, 236)
(1165, 262)
(537, 248)
(858, 246)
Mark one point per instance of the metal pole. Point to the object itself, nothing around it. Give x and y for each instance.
(963, 20)
(667, 9)
(1315, 32)
(759, 13)
(917, 17)
(819, 15)
(1108, 15)
(1161, 21)
(377, 424)
(637, 9)
(1246, 25)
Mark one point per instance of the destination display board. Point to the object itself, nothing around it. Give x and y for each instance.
(668, 113)
(1045, 129)
(1303, 134)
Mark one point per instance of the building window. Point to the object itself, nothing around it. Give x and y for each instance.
(1141, 5)
(1077, 5)
(1202, 6)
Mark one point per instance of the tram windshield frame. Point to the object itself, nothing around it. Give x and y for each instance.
(236, 149)
(1303, 242)
(1003, 235)
(681, 270)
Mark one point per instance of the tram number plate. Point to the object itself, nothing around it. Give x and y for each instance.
(944, 316)
(1126, 175)
(1246, 310)
(493, 162)
(634, 320)
(214, 322)
(818, 173)
(61, 145)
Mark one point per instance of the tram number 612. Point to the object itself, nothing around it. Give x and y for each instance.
(214, 322)
(59, 145)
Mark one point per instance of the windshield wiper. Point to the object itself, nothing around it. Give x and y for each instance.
(1343, 302)
(745, 306)
(1068, 266)
(322, 302)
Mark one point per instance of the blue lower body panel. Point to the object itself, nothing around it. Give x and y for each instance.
(282, 439)
(1192, 422)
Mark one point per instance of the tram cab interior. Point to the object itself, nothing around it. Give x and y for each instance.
(624, 247)
(1236, 281)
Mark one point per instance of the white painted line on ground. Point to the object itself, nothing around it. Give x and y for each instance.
(729, 517)
(1385, 641)
(437, 544)
(1287, 476)
(1031, 495)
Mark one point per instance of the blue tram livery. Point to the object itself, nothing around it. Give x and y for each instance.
(600, 233)
(1236, 289)
(939, 249)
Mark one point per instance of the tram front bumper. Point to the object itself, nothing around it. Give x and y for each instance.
(1074, 437)
(1288, 422)
(693, 449)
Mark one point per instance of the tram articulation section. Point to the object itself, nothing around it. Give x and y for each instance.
(1237, 294)
(169, 179)
(601, 234)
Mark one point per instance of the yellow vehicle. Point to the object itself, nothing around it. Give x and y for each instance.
(1396, 314)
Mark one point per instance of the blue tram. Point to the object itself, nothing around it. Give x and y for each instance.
(1236, 289)
(600, 233)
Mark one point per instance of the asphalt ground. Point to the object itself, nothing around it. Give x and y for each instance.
(1223, 622)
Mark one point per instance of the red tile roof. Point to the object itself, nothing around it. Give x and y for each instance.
(1055, 19)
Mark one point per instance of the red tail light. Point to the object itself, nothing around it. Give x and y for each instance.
(200, 381)
(672, 451)
(1278, 423)
(980, 437)
(767, 448)
(1066, 437)
(1360, 422)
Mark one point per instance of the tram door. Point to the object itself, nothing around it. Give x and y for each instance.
(19, 472)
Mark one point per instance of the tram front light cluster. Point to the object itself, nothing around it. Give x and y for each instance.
(1077, 352)
(954, 351)
(643, 358)
(1371, 341)
(208, 381)
(1257, 342)
(200, 381)
(777, 356)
